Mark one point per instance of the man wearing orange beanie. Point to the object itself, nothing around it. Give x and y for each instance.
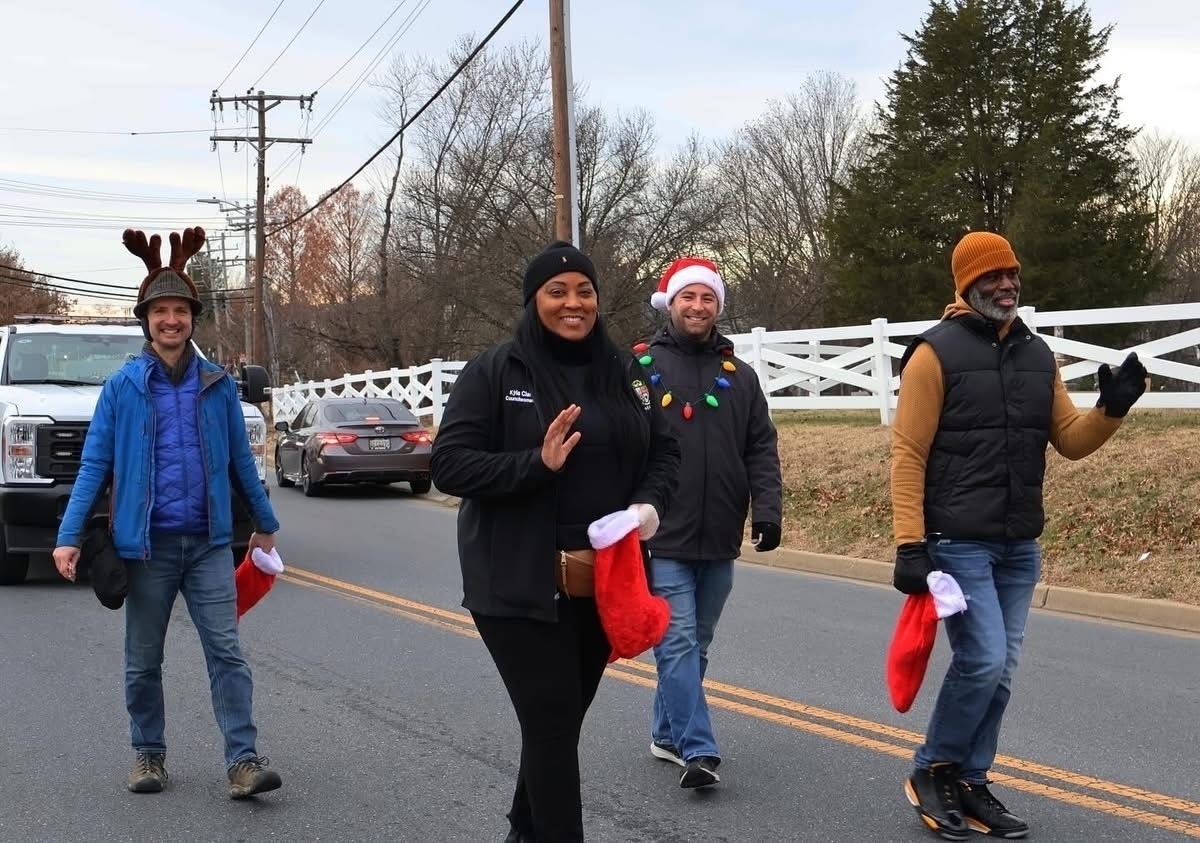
(980, 399)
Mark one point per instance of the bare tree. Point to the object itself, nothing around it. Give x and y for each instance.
(779, 176)
(1170, 174)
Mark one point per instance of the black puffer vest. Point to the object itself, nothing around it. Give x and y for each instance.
(984, 476)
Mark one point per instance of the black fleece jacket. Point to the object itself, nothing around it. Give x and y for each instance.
(488, 451)
(730, 452)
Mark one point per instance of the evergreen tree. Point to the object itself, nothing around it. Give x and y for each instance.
(995, 121)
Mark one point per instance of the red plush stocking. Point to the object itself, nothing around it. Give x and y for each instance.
(633, 619)
(254, 578)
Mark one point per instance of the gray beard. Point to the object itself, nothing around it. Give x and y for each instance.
(989, 309)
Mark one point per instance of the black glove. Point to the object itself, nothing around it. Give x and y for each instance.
(912, 566)
(764, 535)
(1119, 390)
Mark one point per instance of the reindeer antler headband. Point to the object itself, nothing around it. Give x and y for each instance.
(182, 249)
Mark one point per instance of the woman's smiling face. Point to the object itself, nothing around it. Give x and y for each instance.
(567, 305)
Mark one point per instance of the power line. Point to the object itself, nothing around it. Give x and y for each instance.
(66, 278)
(18, 186)
(404, 27)
(362, 46)
(80, 216)
(286, 46)
(237, 63)
(25, 284)
(102, 132)
(457, 71)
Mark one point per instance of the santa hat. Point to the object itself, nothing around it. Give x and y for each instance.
(255, 576)
(633, 619)
(914, 636)
(683, 273)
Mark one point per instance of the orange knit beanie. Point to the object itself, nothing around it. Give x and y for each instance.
(978, 253)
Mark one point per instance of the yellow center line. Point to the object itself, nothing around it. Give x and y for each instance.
(751, 703)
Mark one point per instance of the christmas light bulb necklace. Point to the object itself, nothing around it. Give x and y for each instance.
(708, 398)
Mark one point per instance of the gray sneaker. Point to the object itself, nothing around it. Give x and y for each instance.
(250, 776)
(149, 773)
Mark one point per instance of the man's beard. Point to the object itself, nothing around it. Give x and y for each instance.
(989, 309)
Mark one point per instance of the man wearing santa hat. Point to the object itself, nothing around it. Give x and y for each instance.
(730, 466)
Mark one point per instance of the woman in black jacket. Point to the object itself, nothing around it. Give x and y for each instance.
(542, 435)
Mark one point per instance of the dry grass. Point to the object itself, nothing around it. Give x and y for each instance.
(1125, 520)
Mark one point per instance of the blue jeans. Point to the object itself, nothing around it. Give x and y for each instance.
(696, 592)
(204, 574)
(997, 578)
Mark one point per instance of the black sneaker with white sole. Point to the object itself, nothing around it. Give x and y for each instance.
(666, 752)
(700, 772)
(987, 814)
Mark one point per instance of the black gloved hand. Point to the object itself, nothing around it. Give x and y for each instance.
(765, 535)
(912, 566)
(1118, 391)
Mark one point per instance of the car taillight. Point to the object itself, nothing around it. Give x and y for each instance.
(336, 438)
(419, 437)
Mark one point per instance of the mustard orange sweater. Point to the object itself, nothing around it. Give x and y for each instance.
(1073, 433)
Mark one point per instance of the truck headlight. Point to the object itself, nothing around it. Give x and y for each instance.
(18, 449)
(256, 432)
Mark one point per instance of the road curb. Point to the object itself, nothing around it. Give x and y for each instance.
(1164, 614)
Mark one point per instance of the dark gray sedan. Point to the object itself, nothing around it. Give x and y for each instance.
(352, 440)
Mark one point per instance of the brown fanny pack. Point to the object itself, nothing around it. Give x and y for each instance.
(575, 572)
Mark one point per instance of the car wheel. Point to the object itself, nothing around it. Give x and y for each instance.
(281, 481)
(13, 566)
(421, 487)
(310, 488)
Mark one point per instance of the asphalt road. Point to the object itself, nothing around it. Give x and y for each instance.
(382, 711)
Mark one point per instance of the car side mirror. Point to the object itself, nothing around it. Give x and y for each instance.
(254, 384)
(281, 426)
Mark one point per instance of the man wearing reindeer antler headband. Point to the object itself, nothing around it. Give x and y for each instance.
(169, 437)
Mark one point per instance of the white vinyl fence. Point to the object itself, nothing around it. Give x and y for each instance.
(853, 367)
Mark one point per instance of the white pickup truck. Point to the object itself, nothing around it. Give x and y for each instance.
(51, 371)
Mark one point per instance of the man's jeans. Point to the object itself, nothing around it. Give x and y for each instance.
(204, 574)
(997, 578)
(696, 592)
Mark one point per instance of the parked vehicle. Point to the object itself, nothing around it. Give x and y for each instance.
(51, 371)
(352, 440)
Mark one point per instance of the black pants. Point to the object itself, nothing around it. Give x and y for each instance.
(551, 671)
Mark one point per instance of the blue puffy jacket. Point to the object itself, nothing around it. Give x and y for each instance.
(180, 484)
(120, 445)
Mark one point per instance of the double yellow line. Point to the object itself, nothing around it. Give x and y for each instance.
(1138, 805)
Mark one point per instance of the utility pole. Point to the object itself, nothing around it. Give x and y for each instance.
(260, 104)
(562, 97)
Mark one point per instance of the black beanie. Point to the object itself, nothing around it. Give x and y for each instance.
(555, 259)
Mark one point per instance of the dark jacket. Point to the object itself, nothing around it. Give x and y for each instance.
(730, 452)
(488, 451)
(987, 463)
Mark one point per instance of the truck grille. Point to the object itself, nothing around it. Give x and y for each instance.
(59, 450)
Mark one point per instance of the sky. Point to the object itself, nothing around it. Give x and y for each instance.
(76, 78)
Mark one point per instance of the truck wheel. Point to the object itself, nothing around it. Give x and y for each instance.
(13, 566)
